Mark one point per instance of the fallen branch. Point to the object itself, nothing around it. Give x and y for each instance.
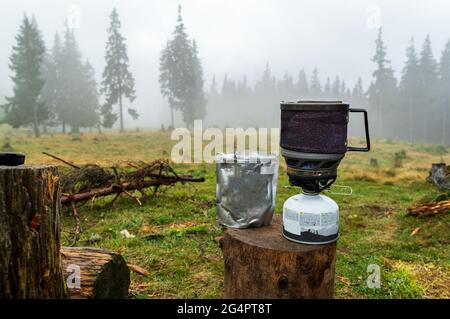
(116, 189)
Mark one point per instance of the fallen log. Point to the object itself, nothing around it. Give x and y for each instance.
(67, 199)
(93, 273)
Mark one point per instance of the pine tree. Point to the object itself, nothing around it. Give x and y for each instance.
(25, 107)
(196, 109)
(70, 78)
(382, 93)
(336, 88)
(79, 98)
(52, 94)
(427, 85)
(444, 92)
(181, 75)
(327, 93)
(267, 84)
(89, 111)
(213, 93)
(316, 88)
(118, 82)
(286, 87)
(302, 87)
(229, 90)
(266, 96)
(409, 87)
(243, 90)
(358, 93)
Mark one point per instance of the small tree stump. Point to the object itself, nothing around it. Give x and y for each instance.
(103, 274)
(30, 262)
(261, 263)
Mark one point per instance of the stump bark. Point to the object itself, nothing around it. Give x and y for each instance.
(30, 261)
(261, 263)
(102, 274)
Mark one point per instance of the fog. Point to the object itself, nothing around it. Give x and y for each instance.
(237, 38)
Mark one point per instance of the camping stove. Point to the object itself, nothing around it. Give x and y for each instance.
(313, 142)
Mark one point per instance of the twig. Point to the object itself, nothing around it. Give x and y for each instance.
(61, 160)
(123, 189)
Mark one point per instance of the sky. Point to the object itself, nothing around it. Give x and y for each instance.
(236, 37)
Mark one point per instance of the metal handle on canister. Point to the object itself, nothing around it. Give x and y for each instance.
(366, 125)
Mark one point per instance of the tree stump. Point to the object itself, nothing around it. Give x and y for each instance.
(261, 263)
(439, 175)
(30, 261)
(102, 274)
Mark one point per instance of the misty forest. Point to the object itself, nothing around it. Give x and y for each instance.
(91, 171)
(55, 86)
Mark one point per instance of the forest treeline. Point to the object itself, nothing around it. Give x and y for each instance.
(414, 107)
(55, 86)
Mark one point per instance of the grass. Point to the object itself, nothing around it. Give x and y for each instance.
(176, 233)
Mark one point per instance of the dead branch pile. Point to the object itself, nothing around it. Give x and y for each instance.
(89, 182)
(430, 209)
(92, 181)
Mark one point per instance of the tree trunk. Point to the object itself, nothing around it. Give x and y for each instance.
(172, 117)
(261, 263)
(30, 261)
(121, 114)
(37, 134)
(102, 274)
(411, 124)
(75, 129)
(444, 127)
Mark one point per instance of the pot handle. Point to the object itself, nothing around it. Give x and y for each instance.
(366, 125)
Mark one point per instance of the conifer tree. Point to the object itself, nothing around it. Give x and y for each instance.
(302, 87)
(79, 99)
(315, 88)
(327, 93)
(336, 88)
(52, 94)
(382, 93)
(358, 93)
(181, 75)
(409, 88)
(25, 107)
(444, 92)
(427, 75)
(286, 87)
(196, 109)
(118, 81)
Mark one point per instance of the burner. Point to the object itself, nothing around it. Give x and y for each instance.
(313, 142)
